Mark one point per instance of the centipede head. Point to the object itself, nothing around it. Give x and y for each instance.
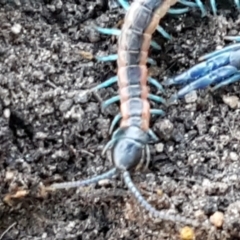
(129, 148)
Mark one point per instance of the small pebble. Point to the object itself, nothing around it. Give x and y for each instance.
(187, 233)
(165, 128)
(231, 101)
(159, 147)
(6, 113)
(16, 28)
(217, 219)
(81, 97)
(104, 182)
(191, 97)
(233, 156)
(66, 105)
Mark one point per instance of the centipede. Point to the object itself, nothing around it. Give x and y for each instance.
(129, 144)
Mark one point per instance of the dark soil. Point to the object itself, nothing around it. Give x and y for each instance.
(52, 130)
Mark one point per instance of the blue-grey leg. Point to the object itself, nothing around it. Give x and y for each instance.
(114, 99)
(163, 32)
(124, 4)
(109, 58)
(157, 112)
(237, 2)
(148, 156)
(110, 101)
(117, 32)
(109, 31)
(176, 11)
(152, 135)
(109, 145)
(156, 98)
(107, 83)
(114, 122)
(156, 84)
(117, 118)
(213, 6)
(114, 79)
(188, 3)
(114, 57)
(202, 8)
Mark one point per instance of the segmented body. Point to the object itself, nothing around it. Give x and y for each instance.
(129, 143)
(134, 43)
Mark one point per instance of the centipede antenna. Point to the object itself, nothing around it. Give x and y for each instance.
(154, 212)
(107, 175)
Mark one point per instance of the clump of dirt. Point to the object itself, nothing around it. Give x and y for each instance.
(53, 129)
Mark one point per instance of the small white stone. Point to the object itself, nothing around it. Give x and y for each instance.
(159, 147)
(191, 97)
(231, 101)
(16, 28)
(6, 113)
(104, 182)
(233, 156)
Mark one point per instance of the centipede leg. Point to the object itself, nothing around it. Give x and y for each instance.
(107, 83)
(114, 79)
(110, 101)
(117, 118)
(108, 145)
(163, 32)
(114, 99)
(176, 11)
(188, 3)
(156, 98)
(148, 156)
(117, 32)
(202, 8)
(152, 135)
(109, 31)
(114, 122)
(114, 57)
(213, 6)
(157, 112)
(124, 4)
(237, 2)
(109, 58)
(156, 84)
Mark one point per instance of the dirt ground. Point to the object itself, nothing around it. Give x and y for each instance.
(51, 130)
